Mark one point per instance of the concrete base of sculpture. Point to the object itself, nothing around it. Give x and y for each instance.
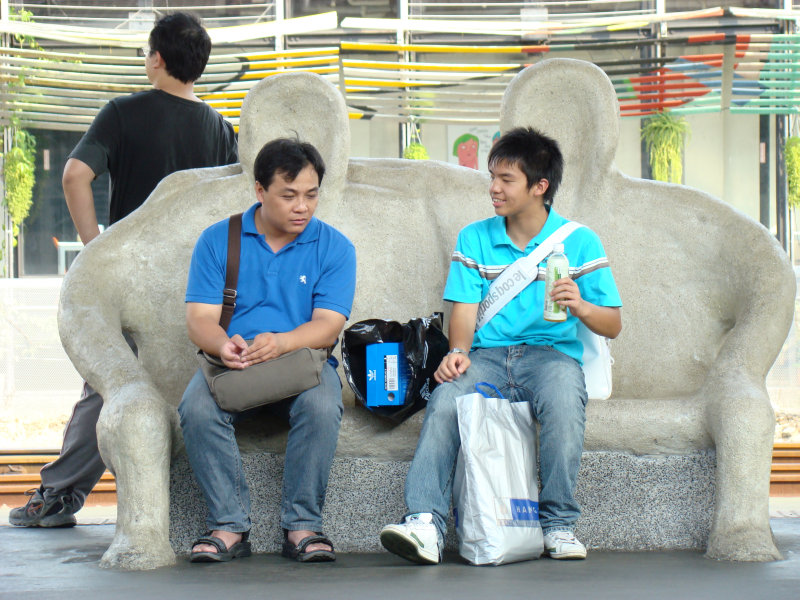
(629, 502)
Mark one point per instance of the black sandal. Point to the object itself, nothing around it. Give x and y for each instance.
(240, 549)
(299, 553)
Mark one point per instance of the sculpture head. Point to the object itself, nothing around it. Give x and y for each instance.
(297, 106)
(573, 102)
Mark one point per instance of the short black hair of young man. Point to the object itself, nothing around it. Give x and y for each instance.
(535, 154)
(288, 157)
(183, 44)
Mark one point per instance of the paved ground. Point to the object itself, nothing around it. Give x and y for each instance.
(63, 564)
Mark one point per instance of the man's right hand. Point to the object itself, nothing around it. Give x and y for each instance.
(231, 352)
(452, 367)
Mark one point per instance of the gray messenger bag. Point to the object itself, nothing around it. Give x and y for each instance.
(237, 390)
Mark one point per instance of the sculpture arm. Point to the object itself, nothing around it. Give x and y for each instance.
(77, 184)
(768, 296)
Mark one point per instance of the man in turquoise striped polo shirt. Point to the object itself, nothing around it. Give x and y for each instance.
(527, 358)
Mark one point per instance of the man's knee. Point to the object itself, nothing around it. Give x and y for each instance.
(322, 405)
(196, 408)
(442, 403)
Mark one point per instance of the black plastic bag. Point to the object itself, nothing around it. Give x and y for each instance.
(424, 343)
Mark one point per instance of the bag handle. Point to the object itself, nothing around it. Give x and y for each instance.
(231, 271)
(491, 387)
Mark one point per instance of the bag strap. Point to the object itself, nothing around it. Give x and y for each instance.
(232, 275)
(491, 387)
(231, 270)
(519, 274)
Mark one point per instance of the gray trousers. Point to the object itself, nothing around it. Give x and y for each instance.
(79, 466)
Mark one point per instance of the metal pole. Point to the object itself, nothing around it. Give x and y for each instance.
(650, 51)
(280, 16)
(781, 187)
(763, 170)
(646, 51)
(7, 243)
(402, 39)
(781, 190)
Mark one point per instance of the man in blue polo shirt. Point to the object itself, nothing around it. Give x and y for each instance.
(295, 289)
(526, 357)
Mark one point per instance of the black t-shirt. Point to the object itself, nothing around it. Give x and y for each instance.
(142, 138)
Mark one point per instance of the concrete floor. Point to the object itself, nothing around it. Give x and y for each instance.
(63, 564)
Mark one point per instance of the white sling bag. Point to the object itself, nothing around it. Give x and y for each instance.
(597, 359)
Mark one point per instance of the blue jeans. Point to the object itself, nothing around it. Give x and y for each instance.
(208, 432)
(553, 384)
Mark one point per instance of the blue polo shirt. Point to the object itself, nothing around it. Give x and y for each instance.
(484, 250)
(277, 292)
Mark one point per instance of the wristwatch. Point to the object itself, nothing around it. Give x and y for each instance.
(458, 351)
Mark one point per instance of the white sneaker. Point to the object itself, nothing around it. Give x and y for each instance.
(416, 539)
(563, 545)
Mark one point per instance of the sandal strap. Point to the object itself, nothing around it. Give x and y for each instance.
(212, 541)
(320, 538)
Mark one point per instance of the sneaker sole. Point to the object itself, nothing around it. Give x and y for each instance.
(48, 522)
(61, 521)
(565, 555)
(405, 547)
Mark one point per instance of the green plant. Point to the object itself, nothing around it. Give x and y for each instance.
(26, 17)
(18, 172)
(664, 136)
(19, 161)
(415, 151)
(792, 157)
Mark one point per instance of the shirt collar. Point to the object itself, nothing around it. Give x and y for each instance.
(309, 234)
(499, 237)
(553, 222)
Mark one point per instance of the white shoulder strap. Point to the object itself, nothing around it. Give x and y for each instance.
(518, 275)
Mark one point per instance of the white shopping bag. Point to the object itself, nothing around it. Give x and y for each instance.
(495, 487)
(597, 363)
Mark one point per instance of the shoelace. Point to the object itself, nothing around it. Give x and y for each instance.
(563, 536)
(33, 506)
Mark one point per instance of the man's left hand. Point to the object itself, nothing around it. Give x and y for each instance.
(265, 346)
(603, 320)
(567, 295)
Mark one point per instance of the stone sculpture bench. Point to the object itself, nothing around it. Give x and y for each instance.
(678, 457)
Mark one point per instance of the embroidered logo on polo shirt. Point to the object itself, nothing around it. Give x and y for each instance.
(303, 279)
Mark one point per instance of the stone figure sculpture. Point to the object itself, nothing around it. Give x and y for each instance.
(702, 326)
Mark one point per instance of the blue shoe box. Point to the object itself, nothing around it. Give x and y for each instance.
(387, 374)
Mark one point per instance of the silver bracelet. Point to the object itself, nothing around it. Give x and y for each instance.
(457, 351)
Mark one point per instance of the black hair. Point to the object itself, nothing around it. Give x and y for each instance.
(536, 155)
(288, 157)
(183, 44)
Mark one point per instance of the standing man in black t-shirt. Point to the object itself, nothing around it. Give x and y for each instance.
(139, 139)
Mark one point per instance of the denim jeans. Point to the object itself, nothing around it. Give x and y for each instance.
(553, 384)
(208, 432)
